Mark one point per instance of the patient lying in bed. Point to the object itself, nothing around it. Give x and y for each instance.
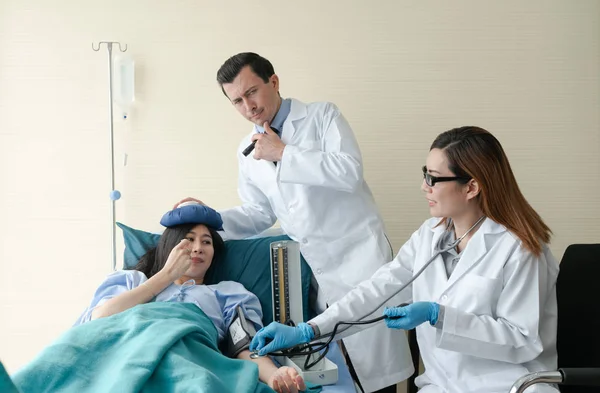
(156, 328)
(175, 271)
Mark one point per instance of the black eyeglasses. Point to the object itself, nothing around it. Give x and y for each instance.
(430, 180)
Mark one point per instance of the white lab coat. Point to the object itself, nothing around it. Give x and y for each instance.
(318, 193)
(500, 317)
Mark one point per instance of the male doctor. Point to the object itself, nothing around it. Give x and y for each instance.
(306, 171)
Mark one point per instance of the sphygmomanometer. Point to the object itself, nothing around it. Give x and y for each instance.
(239, 334)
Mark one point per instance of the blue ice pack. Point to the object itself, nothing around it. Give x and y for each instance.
(193, 214)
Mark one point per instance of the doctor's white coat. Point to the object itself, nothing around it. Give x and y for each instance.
(500, 304)
(318, 193)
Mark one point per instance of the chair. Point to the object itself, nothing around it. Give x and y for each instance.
(578, 339)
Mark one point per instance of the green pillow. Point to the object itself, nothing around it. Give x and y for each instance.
(137, 243)
(245, 261)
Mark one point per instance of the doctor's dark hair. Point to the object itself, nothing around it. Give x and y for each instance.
(234, 65)
(156, 258)
(475, 153)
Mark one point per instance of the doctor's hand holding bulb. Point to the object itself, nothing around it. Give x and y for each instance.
(411, 316)
(478, 278)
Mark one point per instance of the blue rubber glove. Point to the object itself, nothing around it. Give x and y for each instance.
(282, 337)
(411, 316)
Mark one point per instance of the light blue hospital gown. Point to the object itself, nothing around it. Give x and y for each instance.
(218, 301)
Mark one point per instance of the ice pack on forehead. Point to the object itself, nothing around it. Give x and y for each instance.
(193, 213)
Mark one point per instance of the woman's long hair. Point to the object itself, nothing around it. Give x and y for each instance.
(475, 153)
(156, 258)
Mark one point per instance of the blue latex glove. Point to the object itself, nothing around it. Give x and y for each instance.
(411, 316)
(282, 337)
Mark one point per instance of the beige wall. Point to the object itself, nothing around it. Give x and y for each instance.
(401, 71)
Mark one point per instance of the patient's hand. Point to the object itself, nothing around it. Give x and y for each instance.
(179, 260)
(286, 380)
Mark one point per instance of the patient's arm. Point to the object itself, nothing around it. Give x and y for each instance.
(141, 294)
(282, 380)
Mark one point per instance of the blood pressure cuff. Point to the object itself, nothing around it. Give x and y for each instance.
(239, 334)
(193, 214)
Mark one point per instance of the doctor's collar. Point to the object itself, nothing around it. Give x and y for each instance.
(280, 117)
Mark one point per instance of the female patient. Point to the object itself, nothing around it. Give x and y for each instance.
(175, 271)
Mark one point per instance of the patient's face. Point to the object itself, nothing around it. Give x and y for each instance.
(256, 100)
(202, 251)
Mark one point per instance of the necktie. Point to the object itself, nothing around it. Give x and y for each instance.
(275, 130)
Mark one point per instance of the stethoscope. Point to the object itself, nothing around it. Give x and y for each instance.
(314, 347)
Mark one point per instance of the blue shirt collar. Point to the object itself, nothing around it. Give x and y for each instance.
(282, 114)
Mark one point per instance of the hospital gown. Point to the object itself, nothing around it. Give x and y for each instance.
(218, 301)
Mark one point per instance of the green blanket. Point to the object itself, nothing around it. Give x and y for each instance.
(6, 385)
(154, 347)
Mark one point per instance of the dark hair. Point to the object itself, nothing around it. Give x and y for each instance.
(233, 66)
(156, 258)
(475, 153)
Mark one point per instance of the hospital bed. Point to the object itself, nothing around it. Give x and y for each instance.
(248, 262)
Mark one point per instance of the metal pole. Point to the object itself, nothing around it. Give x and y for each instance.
(112, 157)
(114, 195)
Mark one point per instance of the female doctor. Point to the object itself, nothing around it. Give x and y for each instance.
(485, 306)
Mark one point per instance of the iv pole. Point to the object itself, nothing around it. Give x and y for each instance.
(114, 194)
